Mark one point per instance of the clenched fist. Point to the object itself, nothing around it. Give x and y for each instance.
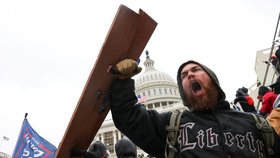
(127, 68)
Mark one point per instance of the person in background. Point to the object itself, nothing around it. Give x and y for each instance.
(100, 148)
(246, 101)
(274, 116)
(267, 97)
(125, 149)
(274, 60)
(209, 128)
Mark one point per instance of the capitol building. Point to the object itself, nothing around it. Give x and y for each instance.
(157, 91)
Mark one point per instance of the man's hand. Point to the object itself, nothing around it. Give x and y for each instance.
(127, 68)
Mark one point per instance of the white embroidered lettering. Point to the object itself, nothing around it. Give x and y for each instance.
(260, 146)
(232, 141)
(250, 140)
(228, 139)
(212, 138)
(240, 141)
(186, 145)
(200, 137)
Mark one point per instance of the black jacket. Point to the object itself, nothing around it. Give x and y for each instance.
(245, 104)
(220, 132)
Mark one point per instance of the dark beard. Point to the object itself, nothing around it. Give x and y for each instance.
(209, 101)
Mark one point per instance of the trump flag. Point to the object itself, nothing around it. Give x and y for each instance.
(30, 144)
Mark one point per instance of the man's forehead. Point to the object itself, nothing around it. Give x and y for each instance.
(190, 66)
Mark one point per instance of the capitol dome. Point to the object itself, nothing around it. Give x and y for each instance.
(158, 90)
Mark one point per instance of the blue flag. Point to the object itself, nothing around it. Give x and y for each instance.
(30, 144)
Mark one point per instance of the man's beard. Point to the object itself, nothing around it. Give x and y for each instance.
(208, 101)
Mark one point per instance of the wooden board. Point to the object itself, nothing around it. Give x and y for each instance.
(127, 38)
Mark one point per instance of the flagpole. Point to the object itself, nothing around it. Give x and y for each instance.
(271, 51)
(25, 117)
(1, 144)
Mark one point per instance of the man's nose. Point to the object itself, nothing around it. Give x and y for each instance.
(190, 74)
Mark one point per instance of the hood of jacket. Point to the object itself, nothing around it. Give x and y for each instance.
(212, 75)
(125, 149)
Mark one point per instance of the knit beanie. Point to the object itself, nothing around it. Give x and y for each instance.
(242, 92)
(212, 75)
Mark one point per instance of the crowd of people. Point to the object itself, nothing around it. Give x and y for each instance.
(267, 95)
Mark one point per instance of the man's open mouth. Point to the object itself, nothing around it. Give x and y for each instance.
(196, 87)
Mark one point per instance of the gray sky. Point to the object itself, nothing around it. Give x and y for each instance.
(48, 48)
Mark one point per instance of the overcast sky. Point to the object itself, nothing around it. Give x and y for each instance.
(48, 48)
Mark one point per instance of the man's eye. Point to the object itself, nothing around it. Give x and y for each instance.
(198, 68)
